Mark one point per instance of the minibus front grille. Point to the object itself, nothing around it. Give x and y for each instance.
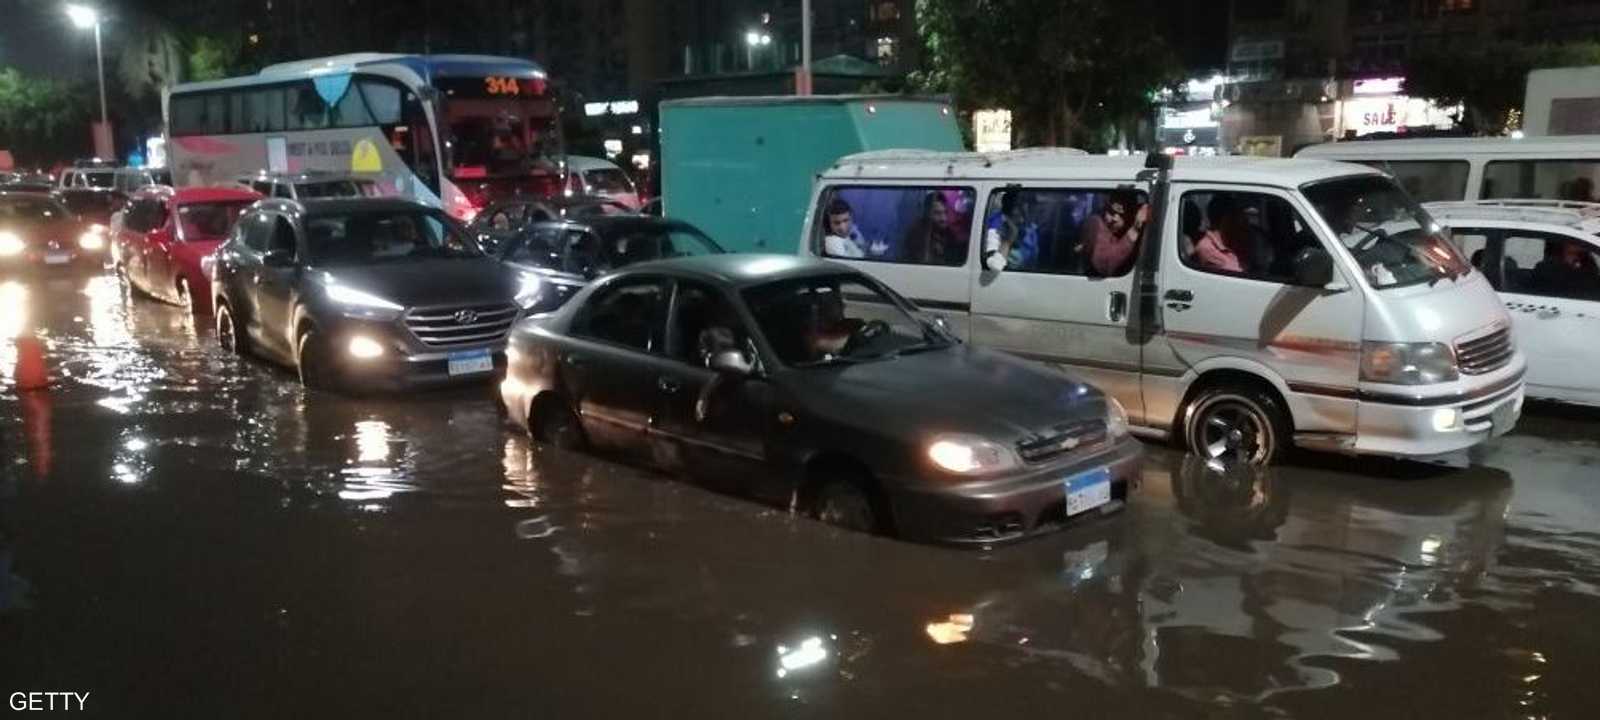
(1486, 354)
(461, 324)
(1062, 438)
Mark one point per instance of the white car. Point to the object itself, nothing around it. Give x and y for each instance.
(1544, 258)
(601, 178)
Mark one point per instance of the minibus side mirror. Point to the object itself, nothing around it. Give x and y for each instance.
(1313, 267)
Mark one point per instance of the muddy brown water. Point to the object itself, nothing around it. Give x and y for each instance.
(184, 535)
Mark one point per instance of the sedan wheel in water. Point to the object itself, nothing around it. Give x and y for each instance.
(553, 424)
(229, 335)
(316, 368)
(185, 298)
(1236, 424)
(844, 503)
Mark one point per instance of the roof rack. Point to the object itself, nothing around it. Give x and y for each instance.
(956, 159)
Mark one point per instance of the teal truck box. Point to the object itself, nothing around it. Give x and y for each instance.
(741, 168)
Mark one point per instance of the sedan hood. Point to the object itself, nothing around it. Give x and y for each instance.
(424, 283)
(958, 390)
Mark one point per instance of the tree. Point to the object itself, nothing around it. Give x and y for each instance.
(42, 120)
(1489, 81)
(1071, 71)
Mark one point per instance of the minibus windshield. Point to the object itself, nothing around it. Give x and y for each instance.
(1391, 237)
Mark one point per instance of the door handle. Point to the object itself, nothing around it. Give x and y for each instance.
(1545, 313)
(1116, 306)
(1179, 295)
(668, 385)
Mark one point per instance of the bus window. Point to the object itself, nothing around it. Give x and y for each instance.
(383, 100)
(306, 110)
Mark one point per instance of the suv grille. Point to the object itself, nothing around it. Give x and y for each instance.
(461, 324)
(1485, 354)
(1062, 438)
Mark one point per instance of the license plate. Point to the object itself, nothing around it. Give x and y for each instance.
(467, 363)
(57, 258)
(1087, 491)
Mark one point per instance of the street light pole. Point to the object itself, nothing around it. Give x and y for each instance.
(100, 71)
(802, 85)
(85, 18)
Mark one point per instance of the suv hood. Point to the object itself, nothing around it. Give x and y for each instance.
(957, 390)
(423, 283)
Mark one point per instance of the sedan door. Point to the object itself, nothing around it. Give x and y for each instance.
(610, 367)
(159, 265)
(275, 288)
(713, 425)
(1551, 287)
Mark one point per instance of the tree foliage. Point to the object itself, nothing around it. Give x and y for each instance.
(1489, 80)
(40, 119)
(1071, 71)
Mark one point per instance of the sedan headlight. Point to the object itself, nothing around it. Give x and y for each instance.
(1408, 363)
(970, 455)
(1116, 418)
(362, 304)
(529, 291)
(93, 239)
(11, 244)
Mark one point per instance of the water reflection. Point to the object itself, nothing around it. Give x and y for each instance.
(1278, 577)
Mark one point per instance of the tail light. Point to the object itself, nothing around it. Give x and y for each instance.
(464, 202)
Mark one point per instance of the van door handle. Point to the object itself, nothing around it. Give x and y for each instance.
(1116, 306)
(1179, 295)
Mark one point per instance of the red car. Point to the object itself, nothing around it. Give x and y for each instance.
(165, 234)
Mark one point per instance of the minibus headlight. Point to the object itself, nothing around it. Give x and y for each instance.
(1408, 363)
(970, 455)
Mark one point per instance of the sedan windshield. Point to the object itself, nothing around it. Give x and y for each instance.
(208, 220)
(386, 236)
(585, 252)
(608, 181)
(1391, 237)
(28, 210)
(836, 320)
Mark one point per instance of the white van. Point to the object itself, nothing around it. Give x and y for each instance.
(1544, 257)
(1269, 302)
(601, 178)
(1552, 168)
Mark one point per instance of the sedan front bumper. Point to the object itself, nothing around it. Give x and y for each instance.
(984, 513)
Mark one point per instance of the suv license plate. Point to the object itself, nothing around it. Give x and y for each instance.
(1087, 491)
(57, 258)
(467, 363)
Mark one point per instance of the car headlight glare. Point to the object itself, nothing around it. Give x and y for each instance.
(11, 244)
(92, 239)
(1116, 418)
(530, 291)
(970, 455)
(365, 348)
(1408, 363)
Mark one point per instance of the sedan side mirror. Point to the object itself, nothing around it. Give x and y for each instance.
(278, 257)
(732, 362)
(1313, 267)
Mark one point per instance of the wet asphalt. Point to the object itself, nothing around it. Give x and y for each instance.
(186, 535)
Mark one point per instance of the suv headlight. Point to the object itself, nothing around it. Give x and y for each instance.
(11, 244)
(530, 291)
(1408, 363)
(358, 304)
(1116, 418)
(970, 455)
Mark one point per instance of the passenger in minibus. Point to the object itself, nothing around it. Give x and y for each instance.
(1114, 232)
(930, 241)
(1009, 238)
(1225, 245)
(843, 240)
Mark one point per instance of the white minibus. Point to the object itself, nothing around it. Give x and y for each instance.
(1236, 305)
(1453, 169)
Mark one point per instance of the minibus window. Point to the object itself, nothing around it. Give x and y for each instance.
(1063, 231)
(1392, 239)
(1542, 179)
(1244, 234)
(1551, 266)
(1428, 180)
(913, 225)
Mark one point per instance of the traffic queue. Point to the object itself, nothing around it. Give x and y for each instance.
(961, 351)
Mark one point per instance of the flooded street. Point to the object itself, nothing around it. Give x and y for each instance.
(186, 534)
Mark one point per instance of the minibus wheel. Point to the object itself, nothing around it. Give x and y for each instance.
(1236, 423)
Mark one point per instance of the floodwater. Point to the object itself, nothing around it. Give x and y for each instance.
(187, 535)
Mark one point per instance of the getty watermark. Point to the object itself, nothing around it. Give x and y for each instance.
(48, 700)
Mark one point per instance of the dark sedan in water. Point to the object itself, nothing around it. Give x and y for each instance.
(808, 384)
(365, 294)
(568, 254)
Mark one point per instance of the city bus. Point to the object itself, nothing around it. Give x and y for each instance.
(453, 131)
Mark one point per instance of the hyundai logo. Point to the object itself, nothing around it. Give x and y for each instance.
(466, 317)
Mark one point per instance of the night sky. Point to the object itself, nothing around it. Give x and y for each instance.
(37, 38)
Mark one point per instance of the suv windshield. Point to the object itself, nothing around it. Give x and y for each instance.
(364, 238)
(1391, 237)
(208, 220)
(837, 319)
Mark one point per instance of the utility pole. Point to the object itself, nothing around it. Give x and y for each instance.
(802, 80)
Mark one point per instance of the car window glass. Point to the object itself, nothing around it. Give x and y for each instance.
(630, 313)
(1251, 235)
(537, 247)
(1474, 244)
(1427, 180)
(385, 236)
(1546, 179)
(1552, 266)
(1063, 231)
(282, 190)
(704, 323)
(912, 225)
(207, 220)
(265, 188)
(282, 235)
(823, 320)
(27, 210)
(257, 230)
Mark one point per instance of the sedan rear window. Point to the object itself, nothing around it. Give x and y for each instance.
(208, 221)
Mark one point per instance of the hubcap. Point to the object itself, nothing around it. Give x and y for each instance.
(846, 509)
(1233, 431)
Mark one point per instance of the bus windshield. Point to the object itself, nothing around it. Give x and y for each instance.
(499, 138)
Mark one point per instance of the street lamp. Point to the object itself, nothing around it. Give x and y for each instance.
(85, 17)
(753, 40)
